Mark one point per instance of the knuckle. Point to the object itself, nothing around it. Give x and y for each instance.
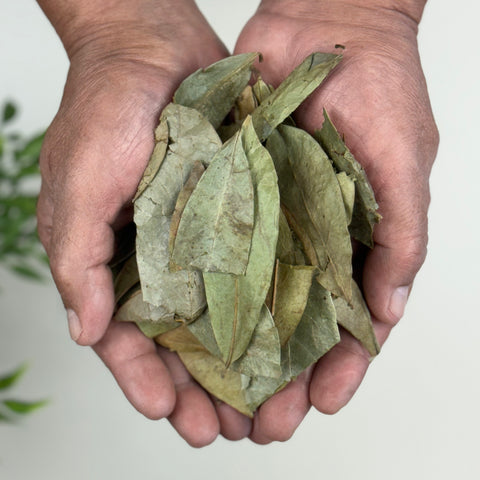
(61, 271)
(415, 251)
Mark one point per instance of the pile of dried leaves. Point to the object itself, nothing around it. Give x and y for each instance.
(241, 257)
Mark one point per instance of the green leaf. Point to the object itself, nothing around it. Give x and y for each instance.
(356, 319)
(235, 301)
(9, 112)
(4, 418)
(22, 407)
(32, 148)
(365, 214)
(11, 378)
(315, 335)
(310, 192)
(292, 92)
(192, 139)
(26, 271)
(215, 230)
(213, 90)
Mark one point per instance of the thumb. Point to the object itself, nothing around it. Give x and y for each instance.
(79, 268)
(400, 244)
(79, 240)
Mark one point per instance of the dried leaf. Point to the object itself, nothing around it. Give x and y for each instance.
(292, 92)
(151, 320)
(262, 357)
(159, 152)
(207, 370)
(315, 335)
(192, 139)
(213, 90)
(347, 187)
(215, 230)
(291, 292)
(310, 192)
(244, 105)
(258, 389)
(197, 171)
(261, 90)
(235, 301)
(356, 319)
(242, 392)
(288, 250)
(365, 214)
(126, 278)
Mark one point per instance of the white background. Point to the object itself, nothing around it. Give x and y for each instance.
(416, 414)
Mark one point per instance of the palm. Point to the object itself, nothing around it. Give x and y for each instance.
(93, 157)
(377, 98)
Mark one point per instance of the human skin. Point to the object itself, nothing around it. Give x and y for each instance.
(126, 59)
(377, 97)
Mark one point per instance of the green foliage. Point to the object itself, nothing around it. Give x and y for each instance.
(20, 249)
(12, 408)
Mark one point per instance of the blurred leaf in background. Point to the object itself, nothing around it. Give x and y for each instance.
(12, 408)
(20, 249)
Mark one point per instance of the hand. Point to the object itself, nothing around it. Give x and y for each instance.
(378, 99)
(122, 74)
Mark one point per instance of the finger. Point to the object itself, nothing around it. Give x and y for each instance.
(278, 418)
(400, 243)
(233, 425)
(194, 416)
(134, 362)
(81, 245)
(338, 374)
(44, 218)
(80, 249)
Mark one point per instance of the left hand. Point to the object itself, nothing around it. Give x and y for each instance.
(377, 97)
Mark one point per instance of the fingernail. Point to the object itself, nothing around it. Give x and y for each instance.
(74, 325)
(398, 301)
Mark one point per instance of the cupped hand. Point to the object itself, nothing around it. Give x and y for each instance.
(377, 97)
(122, 74)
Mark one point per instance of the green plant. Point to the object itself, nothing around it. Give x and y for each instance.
(20, 250)
(11, 408)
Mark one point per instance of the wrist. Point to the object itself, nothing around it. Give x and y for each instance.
(350, 11)
(110, 24)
